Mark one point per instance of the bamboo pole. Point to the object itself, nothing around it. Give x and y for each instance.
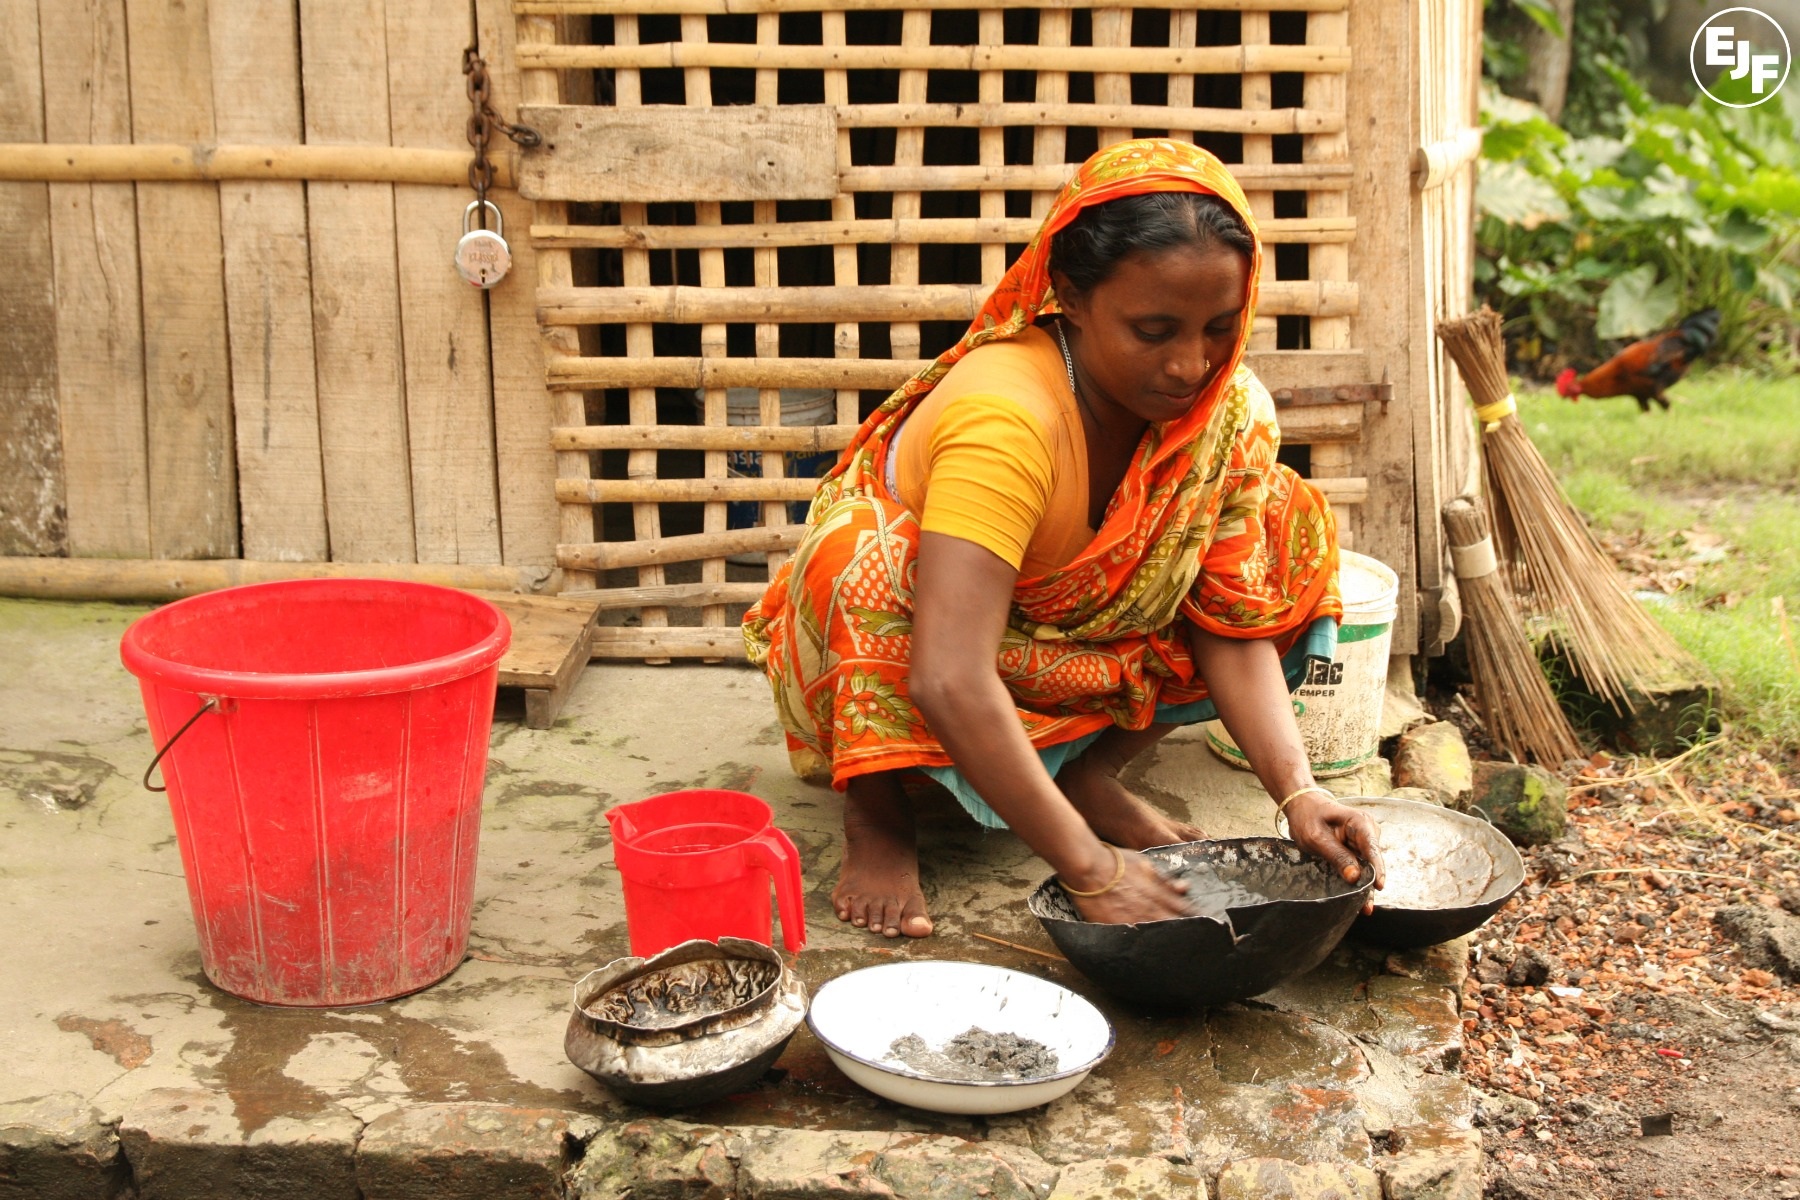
(765, 265)
(170, 163)
(161, 579)
(1305, 425)
(909, 154)
(715, 517)
(1258, 154)
(555, 268)
(1200, 60)
(875, 302)
(1184, 32)
(768, 490)
(846, 336)
(720, 7)
(1329, 93)
(604, 556)
(1049, 143)
(661, 645)
(994, 113)
(1276, 369)
(1050, 177)
(1112, 30)
(672, 595)
(991, 143)
(640, 465)
(1341, 490)
(924, 231)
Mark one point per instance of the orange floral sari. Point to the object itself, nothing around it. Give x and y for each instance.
(1205, 528)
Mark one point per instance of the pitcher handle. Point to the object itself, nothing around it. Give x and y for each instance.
(774, 852)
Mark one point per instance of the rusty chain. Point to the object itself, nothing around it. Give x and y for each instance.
(483, 120)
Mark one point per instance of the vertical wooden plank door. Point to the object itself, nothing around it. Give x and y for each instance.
(449, 394)
(99, 310)
(356, 290)
(31, 471)
(187, 373)
(268, 287)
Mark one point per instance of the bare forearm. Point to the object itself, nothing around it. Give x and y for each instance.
(1247, 686)
(1245, 680)
(972, 715)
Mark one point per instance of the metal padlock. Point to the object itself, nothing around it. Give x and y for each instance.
(482, 256)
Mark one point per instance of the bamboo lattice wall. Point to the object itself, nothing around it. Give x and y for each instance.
(232, 329)
(954, 125)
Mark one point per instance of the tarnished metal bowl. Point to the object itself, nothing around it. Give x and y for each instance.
(1447, 872)
(1265, 912)
(686, 1026)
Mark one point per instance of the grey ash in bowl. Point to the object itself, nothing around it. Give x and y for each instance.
(1264, 912)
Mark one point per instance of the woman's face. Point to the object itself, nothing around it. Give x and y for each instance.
(1148, 338)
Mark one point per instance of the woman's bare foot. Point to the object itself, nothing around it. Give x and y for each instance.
(878, 883)
(1113, 812)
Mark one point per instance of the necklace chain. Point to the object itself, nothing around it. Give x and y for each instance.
(1068, 363)
(1081, 404)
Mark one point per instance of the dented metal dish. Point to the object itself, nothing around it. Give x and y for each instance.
(1266, 912)
(1447, 872)
(686, 1026)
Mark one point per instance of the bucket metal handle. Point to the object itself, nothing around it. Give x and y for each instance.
(212, 702)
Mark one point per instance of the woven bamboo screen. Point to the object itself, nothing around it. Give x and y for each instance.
(954, 124)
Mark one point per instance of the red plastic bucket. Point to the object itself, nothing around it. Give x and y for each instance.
(697, 864)
(327, 793)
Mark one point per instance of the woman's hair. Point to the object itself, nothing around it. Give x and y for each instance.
(1090, 248)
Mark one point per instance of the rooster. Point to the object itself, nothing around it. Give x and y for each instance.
(1644, 369)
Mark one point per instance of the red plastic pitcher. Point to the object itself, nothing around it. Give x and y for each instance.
(697, 864)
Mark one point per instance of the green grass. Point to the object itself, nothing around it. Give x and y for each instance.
(1725, 462)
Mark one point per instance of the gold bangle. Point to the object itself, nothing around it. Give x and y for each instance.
(1119, 858)
(1281, 808)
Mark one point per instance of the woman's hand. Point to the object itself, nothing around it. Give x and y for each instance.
(1142, 894)
(1340, 835)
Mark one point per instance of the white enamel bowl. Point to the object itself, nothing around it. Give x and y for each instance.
(858, 1016)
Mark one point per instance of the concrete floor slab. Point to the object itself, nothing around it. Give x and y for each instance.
(107, 1014)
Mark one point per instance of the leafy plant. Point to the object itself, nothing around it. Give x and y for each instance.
(1588, 239)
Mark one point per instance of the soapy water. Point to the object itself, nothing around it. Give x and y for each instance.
(975, 1056)
(1215, 887)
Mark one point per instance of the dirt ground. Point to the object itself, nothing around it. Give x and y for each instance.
(1633, 1016)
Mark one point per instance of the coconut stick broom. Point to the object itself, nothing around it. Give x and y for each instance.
(1518, 708)
(1558, 567)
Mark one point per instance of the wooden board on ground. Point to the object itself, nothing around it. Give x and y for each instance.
(552, 638)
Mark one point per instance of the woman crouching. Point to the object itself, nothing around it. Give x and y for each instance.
(1064, 538)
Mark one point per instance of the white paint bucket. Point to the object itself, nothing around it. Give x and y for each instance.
(799, 406)
(1338, 706)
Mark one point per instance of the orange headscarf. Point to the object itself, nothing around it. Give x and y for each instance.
(1204, 526)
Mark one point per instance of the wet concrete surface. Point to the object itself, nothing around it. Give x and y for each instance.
(106, 1003)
